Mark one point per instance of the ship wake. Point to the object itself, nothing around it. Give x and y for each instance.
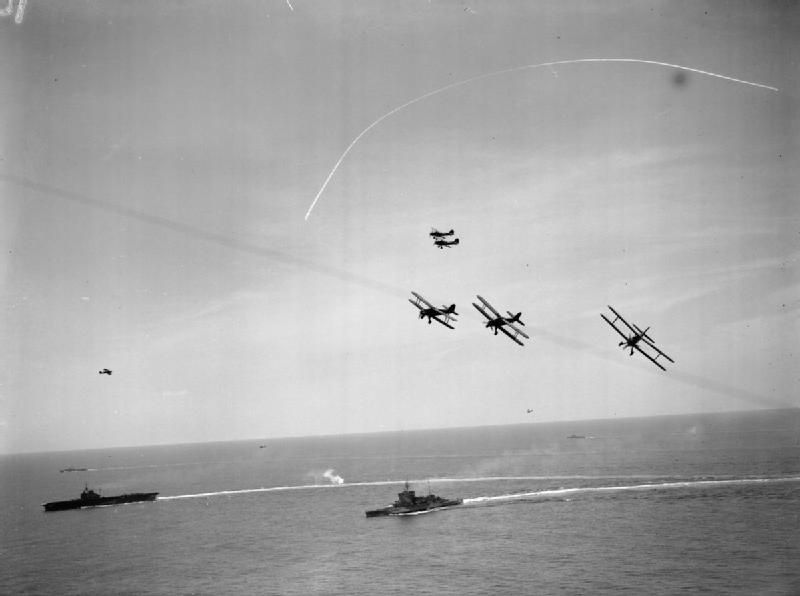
(565, 493)
(561, 492)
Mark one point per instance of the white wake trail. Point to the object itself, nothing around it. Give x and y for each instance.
(558, 492)
(340, 483)
(343, 484)
(273, 489)
(506, 497)
(507, 71)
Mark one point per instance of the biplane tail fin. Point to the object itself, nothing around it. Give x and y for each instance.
(451, 310)
(515, 318)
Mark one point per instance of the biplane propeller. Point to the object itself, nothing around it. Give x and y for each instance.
(500, 323)
(634, 338)
(426, 309)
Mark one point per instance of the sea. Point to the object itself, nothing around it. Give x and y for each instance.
(690, 504)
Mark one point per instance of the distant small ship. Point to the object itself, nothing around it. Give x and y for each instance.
(89, 498)
(408, 502)
(74, 470)
(576, 437)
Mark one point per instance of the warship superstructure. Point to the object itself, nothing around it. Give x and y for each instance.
(408, 502)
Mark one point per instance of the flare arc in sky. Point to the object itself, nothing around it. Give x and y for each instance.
(507, 71)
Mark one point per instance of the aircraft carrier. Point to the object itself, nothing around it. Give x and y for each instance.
(89, 498)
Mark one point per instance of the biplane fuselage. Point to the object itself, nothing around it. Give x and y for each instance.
(496, 323)
(435, 312)
(633, 340)
(446, 243)
(438, 235)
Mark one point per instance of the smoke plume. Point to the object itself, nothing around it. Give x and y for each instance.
(333, 477)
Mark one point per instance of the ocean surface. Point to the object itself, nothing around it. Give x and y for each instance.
(669, 505)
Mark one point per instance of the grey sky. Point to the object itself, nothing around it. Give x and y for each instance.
(158, 159)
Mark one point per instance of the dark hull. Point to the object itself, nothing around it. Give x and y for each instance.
(98, 502)
(412, 509)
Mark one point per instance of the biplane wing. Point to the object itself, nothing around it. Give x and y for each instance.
(649, 357)
(607, 320)
(483, 311)
(512, 337)
(489, 306)
(416, 303)
(650, 343)
(516, 329)
(621, 318)
(445, 323)
(421, 299)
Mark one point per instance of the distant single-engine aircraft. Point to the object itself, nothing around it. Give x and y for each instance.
(501, 323)
(446, 243)
(636, 339)
(530, 411)
(433, 313)
(105, 371)
(436, 234)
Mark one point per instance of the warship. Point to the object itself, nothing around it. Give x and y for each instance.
(409, 502)
(89, 498)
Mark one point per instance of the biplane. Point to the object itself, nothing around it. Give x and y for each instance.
(437, 235)
(445, 243)
(105, 371)
(426, 309)
(501, 323)
(635, 339)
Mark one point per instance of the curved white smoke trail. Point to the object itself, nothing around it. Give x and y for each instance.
(506, 71)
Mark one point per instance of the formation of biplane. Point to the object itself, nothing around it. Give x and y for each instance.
(634, 337)
(445, 314)
(440, 238)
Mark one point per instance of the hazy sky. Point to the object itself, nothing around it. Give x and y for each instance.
(157, 160)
